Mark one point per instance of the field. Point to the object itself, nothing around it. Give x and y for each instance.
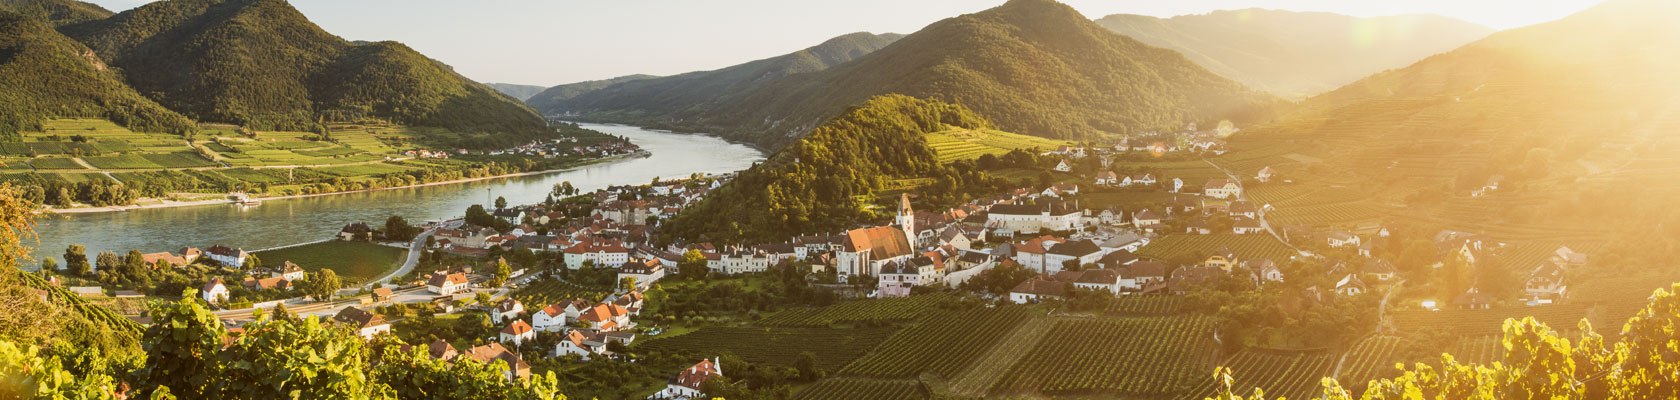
(1176, 247)
(1282, 374)
(1141, 305)
(1560, 317)
(863, 388)
(1115, 357)
(970, 144)
(774, 345)
(891, 309)
(1370, 359)
(1126, 200)
(542, 293)
(354, 261)
(944, 344)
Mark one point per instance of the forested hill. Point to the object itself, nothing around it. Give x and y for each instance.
(656, 98)
(829, 180)
(1298, 54)
(261, 63)
(517, 91)
(56, 12)
(44, 74)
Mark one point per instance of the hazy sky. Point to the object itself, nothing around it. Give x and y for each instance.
(548, 42)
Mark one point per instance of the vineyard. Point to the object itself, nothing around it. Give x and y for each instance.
(1560, 317)
(968, 145)
(92, 312)
(1285, 374)
(863, 388)
(780, 346)
(541, 293)
(892, 309)
(1134, 357)
(1372, 358)
(944, 344)
(1139, 306)
(1173, 247)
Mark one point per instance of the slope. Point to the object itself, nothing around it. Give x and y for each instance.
(832, 179)
(262, 64)
(698, 90)
(44, 74)
(1297, 54)
(57, 12)
(517, 91)
(1035, 67)
(550, 98)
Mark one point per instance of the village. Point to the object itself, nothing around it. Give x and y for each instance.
(461, 266)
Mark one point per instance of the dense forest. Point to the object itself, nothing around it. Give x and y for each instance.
(79, 85)
(636, 97)
(831, 179)
(261, 64)
(1297, 54)
(1035, 67)
(58, 12)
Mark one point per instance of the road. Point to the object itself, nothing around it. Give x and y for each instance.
(1261, 207)
(415, 249)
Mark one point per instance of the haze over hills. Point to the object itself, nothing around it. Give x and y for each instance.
(517, 91)
(262, 64)
(80, 84)
(1033, 66)
(57, 12)
(1298, 54)
(636, 98)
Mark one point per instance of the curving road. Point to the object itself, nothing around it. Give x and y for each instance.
(415, 248)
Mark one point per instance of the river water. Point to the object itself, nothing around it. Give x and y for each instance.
(289, 221)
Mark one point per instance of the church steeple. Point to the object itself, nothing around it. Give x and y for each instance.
(906, 219)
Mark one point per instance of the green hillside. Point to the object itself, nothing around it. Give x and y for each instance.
(262, 64)
(632, 99)
(549, 98)
(832, 178)
(57, 12)
(80, 85)
(517, 91)
(1035, 67)
(1297, 54)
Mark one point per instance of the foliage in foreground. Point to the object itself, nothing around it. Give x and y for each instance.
(1540, 363)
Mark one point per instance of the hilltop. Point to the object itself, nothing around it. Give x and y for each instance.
(262, 64)
(1298, 54)
(639, 97)
(517, 91)
(1035, 67)
(57, 12)
(80, 84)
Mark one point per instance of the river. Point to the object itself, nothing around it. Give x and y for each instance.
(288, 221)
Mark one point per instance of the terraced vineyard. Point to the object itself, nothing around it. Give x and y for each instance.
(864, 388)
(779, 346)
(1284, 374)
(1145, 305)
(542, 293)
(1116, 357)
(891, 309)
(971, 144)
(1171, 247)
(1560, 317)
(1370, 359)
(944, 344)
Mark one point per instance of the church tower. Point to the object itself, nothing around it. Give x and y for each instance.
(906, 219)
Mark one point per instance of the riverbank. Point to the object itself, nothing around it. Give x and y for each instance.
(227, 199)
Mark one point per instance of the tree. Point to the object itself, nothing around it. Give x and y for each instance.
(322, 284)
(108, 262)
(49, 264)
(693, 265)
(398, 229)
(503, 272)
(807, 366)
(483, 298)
(501, 202)
(296, 359)
(76, 260)
(252, 262)
(628, 283)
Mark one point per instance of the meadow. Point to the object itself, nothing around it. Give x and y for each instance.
(353, 261)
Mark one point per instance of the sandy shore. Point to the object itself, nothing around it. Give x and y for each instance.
(194, 203)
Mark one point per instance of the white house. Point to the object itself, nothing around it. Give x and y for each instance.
(1081, 251)
(1350, 285)
(447, 285)
(549, 319)
(1339, 239)
(291, 272)
(1222, 189)
(1014, 219)
(366, 324)
(606, 317)
(1146, 179)
(1546, 283)
(214, 291)
(688, 383)
(506, 310)
(1063, 166)
(1099, 279)
(1265, 174)
(1107, 178)
(598, 254)
(227, 256)
(575, 342)
(1036, 290)
(517, 333)
(1246, 225)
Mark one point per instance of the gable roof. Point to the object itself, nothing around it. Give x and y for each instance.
(358, 318)
(518, 327)
(1041, 287)
(883, 241)
(1077, 248)
(697, 375)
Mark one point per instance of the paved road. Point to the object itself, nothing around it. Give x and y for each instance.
(1261, 207)
(415, 249)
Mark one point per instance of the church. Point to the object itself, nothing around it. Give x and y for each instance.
(865, 250)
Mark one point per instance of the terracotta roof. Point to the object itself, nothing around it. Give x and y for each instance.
(697, 375)
(518, 327)
(439, 280)
(358, 317)
(883, 241)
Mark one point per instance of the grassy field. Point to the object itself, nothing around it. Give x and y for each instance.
(1177, 247)
(355, 261)
(833, 347)
(955, 145)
